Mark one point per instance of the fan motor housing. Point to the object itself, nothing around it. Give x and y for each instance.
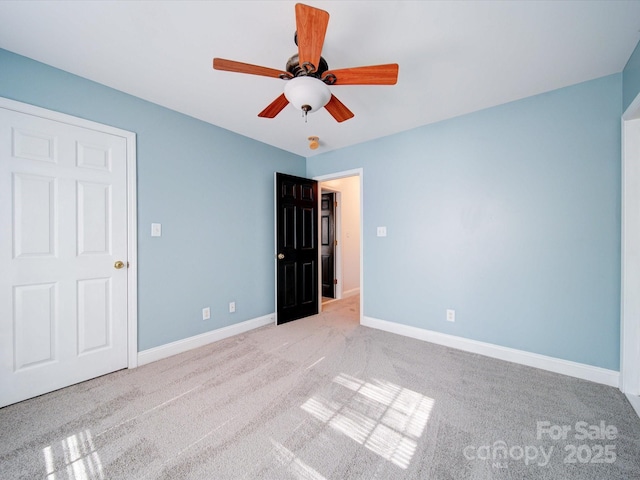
(297, 70)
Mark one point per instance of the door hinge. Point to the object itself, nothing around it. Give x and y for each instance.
(336, 204)
(336, 242)
(335, 281)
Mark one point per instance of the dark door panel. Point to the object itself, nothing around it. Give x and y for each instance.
(308, 228)
(289, 226)
(309, 291)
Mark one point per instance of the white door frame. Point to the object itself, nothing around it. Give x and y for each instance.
(630, 281)
(132, 223)
(357, 172)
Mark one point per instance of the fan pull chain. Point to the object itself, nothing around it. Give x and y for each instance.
(305, 110)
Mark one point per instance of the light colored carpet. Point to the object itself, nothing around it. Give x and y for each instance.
(322, 398)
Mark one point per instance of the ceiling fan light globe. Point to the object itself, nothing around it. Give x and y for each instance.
(307, 93)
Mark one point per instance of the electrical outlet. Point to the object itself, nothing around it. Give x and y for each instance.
(451, 315)
(232, 307)
(206, 313)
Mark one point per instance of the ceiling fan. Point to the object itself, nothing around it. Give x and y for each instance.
(308, 74)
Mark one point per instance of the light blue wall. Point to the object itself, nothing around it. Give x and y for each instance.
(211, 189)
(631, 78)
(510, 216)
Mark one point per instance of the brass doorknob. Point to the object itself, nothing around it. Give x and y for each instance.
(280, 256)
(118, 265)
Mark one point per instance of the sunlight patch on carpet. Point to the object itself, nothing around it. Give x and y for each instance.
(386, 418)
(81, 460)
(297, 467)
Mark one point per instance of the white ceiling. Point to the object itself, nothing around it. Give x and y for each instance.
(455, 57)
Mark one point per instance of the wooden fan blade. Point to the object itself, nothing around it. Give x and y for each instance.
(338, 110)
(239, 67)
(311, 25)
(371, 75)
(274, 107)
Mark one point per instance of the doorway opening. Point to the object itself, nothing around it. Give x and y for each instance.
(347, 191)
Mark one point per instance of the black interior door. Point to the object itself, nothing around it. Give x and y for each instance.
(327, 244)
(297, 247)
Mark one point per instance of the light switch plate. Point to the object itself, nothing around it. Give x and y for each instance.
(382, 231)
(156, 229)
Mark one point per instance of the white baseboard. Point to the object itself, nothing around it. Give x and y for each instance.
(564, 367)
(173, 348)
(351, 292)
